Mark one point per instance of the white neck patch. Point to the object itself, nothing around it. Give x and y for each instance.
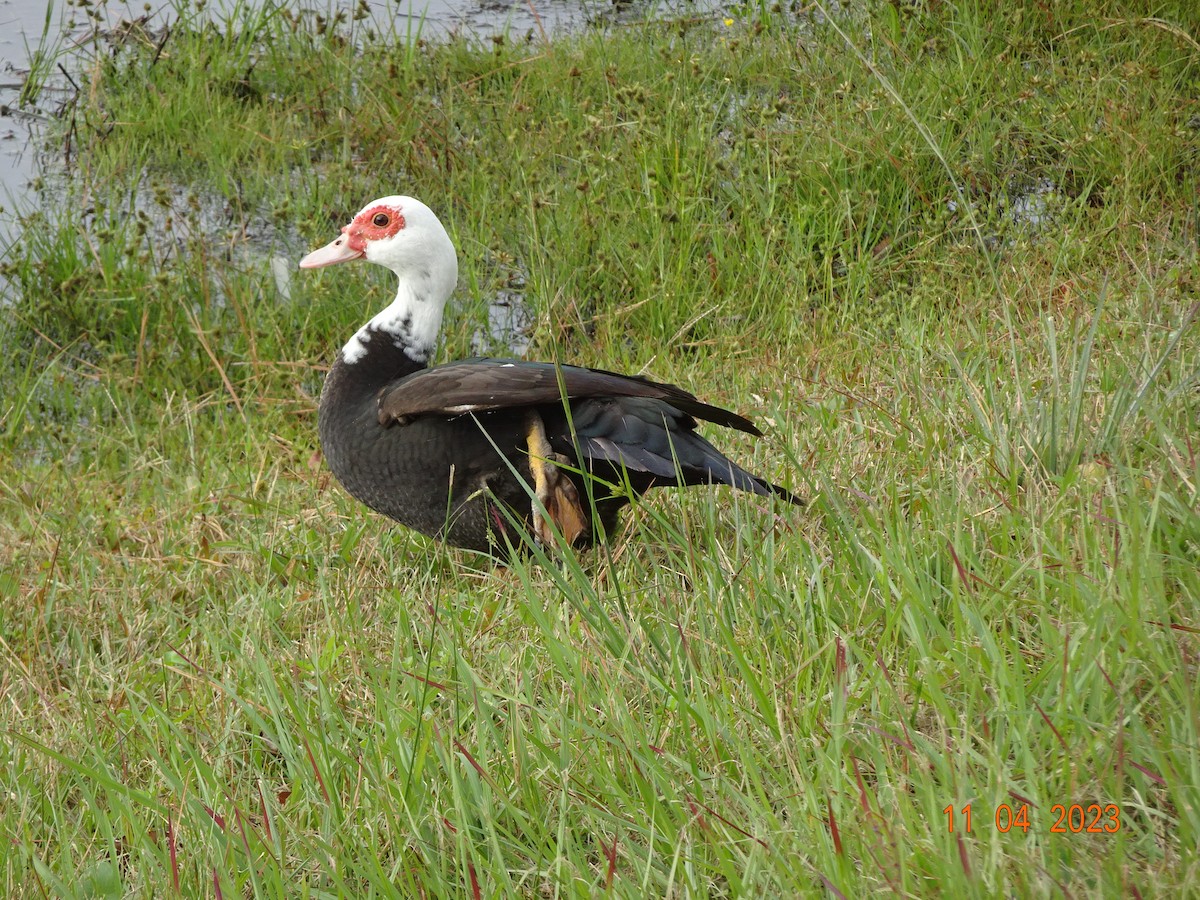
(411, 323)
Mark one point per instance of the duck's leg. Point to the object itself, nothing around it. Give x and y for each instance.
(556, 493)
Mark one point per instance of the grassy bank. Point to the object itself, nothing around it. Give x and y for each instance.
(945, 253)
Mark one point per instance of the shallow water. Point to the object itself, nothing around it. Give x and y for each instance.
(31, 175)
(20, 28)
(24, 24)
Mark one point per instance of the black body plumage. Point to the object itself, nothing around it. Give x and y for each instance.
(443, 450)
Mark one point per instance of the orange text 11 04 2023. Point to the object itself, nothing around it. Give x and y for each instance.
(1076, 818)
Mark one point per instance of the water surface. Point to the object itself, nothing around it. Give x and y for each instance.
(25, 24)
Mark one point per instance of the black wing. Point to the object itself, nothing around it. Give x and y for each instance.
(650, 437)
(482, 385)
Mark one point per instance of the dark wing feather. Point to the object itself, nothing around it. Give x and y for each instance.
(651, 437)
(482, 385)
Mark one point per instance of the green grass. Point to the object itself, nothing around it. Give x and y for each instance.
(219, 672)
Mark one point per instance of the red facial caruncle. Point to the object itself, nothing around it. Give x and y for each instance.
(373, 224)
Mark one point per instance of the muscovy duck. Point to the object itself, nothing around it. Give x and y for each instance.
(470, 452)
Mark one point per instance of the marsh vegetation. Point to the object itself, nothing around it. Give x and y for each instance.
(945, 252)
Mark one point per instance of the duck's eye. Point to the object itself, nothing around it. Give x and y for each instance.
(380, 220)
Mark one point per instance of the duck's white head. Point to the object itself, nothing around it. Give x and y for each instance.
(405, 236)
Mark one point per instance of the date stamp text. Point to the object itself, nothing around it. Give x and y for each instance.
(1077, 818)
